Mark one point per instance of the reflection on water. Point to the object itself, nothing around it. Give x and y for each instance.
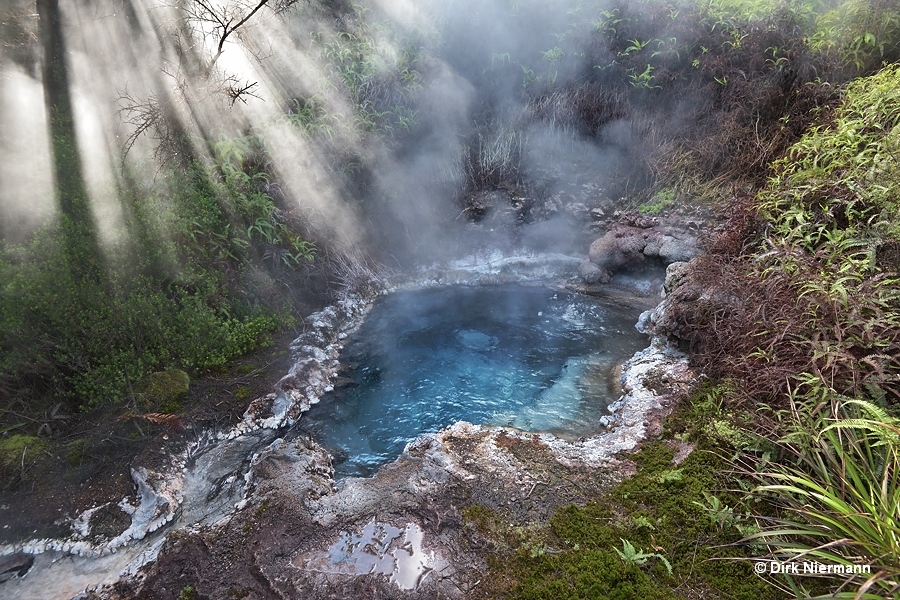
(380, 549)
(527, 357)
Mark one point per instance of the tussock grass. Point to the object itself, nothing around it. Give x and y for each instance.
(838, 493)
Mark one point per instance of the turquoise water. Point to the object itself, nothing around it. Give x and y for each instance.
(529, 357)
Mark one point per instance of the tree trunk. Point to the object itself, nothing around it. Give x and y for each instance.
(77, 221)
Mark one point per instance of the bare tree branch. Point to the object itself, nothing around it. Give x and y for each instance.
(226, 20)
(227, 31)
(238, 90)
(210, 21)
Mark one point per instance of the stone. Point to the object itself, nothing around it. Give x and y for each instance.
(629, 244)
(15, 565)
(675, 274)
(164, 390)
(592, 274)
(673, 249)
(620, 247)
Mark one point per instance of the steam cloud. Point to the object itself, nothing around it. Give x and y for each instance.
(480, 55)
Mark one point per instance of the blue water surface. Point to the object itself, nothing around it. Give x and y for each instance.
(530, 357)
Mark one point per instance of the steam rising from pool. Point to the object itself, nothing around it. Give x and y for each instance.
(529, 357)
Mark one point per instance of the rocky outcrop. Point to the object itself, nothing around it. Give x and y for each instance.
(692, 291)
(627, 246)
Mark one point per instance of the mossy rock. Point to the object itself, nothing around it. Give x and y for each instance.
(164, 390)
(14, 447)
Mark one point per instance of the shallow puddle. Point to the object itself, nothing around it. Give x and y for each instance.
(380, 549)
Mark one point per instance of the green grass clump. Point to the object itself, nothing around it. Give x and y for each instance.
(839, 490)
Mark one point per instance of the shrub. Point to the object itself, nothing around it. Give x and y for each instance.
(89, 341)
(811, 304)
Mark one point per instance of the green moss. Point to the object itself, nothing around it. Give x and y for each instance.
(660, 201)
(75, 451)
(588, 574)
(15, 449)
(663, 510)
(243, 393)
(690, 420)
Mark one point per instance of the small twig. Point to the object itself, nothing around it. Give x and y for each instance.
(534, 485)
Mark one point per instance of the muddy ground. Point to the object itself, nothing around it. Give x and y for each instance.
(277, 546)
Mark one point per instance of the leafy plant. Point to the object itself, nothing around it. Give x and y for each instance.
(644, 79)
(608, 21)
(635, 45)
(629, 554)
(862, 35)
(312, 117)
(529, 77)
(245, 182)
(720, 514)
(553, 54)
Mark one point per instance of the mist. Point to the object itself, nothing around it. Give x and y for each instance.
(410, 132)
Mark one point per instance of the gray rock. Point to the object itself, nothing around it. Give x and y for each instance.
(675, 274)
(15, 565)
(653, 246)
(591, 273)
(619, 248)
(674, 249)
(625, 246)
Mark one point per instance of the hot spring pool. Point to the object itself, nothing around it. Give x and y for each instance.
(529, 357)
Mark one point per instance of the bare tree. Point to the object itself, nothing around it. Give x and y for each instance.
(215, 23)
(228, 18)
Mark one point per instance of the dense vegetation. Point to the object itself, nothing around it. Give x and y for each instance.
(782, 117)
(814, 333)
